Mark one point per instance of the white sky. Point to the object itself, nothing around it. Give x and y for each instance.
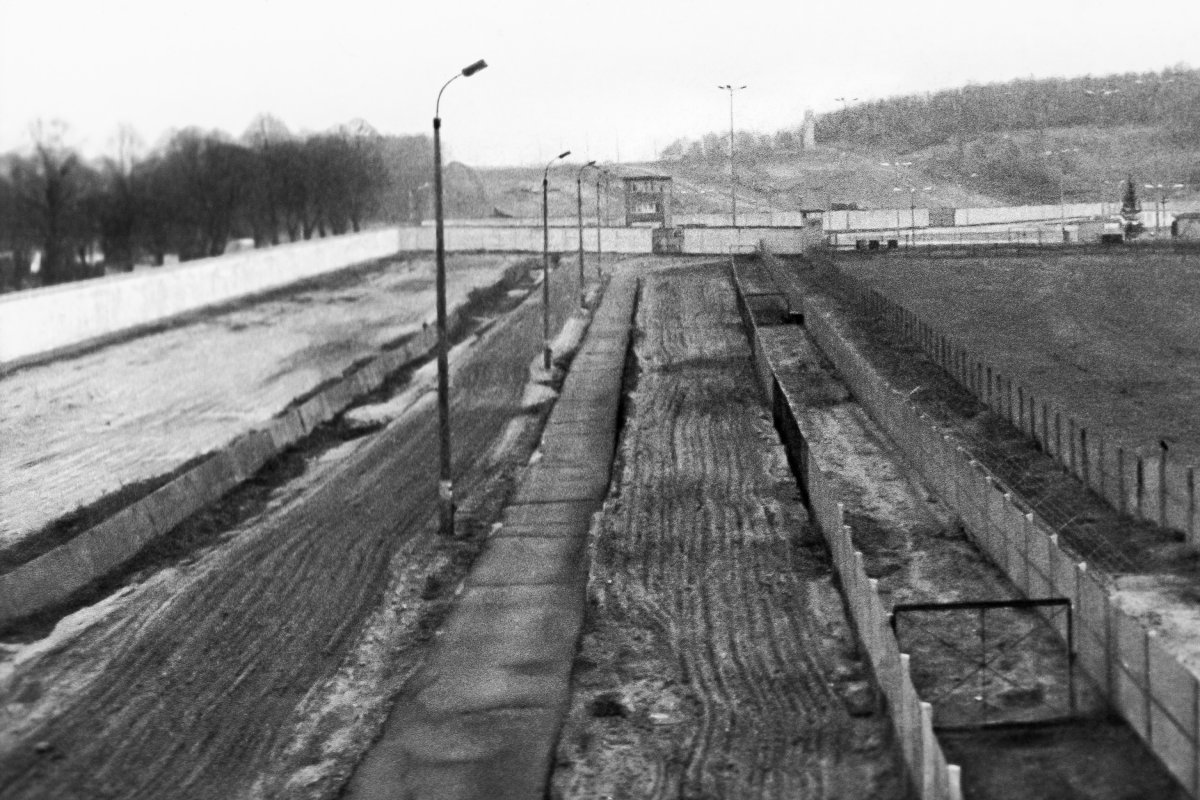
(589, 77)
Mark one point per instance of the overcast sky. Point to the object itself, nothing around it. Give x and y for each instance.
(606, 79)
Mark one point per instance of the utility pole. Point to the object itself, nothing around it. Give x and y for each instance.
(546, 354)
(579, 197)
(445, 478)
(732, 169)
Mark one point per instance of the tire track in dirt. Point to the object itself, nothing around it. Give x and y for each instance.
(717, 661)
(201, 694)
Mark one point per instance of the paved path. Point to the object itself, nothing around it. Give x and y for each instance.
(78, 428)
(482, 720)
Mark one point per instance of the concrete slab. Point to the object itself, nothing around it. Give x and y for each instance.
(557, 484)
(567, 445)
(546, 519)
(502, 754)
(530, 560)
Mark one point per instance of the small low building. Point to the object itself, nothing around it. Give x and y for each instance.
(648, 200)
(1186, 226)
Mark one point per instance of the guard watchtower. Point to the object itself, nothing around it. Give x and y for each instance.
(648, 199)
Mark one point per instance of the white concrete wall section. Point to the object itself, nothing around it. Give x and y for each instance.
(751, 219)
(529, 239)
(704, 241)
(43, 320)
(876, 219)
(991, 216)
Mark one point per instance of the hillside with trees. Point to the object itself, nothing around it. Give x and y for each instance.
(1024, 141)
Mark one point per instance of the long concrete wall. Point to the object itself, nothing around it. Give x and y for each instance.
(884, 219)
(44, 320)
(719, 241)
(512, 238)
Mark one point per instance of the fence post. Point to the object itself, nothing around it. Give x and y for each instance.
(1074, 466)
(1140, 492)
(1162, 483)
(1045, 428)
(1083, 453)
(1101, 466)
(1122, 487)
(989, 388)
(1058, 449)
(1191, 505)
(1021, 408)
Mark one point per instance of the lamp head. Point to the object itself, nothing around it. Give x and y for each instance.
(471, 69)
(564, 154)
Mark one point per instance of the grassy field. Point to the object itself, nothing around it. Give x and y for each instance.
(1115, 336)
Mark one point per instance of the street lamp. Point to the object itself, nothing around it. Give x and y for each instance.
(600, 173)
(732, 175)
(579, 197)
(445, 481)
(546, 259)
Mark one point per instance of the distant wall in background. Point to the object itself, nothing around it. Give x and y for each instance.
(44, 320)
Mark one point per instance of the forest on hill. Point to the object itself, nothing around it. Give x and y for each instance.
(1024, 141)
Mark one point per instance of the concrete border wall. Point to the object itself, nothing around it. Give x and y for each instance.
(719, 241)
(1144, 682)
(1146, 482)
(42, 321)
(45, 320)
(883, 219)
(912, 719)
(54, 576)
(527, 238)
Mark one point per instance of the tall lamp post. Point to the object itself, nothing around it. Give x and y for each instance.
(732, 174)
(546, 259)
(579, 198)
(600, 173)
(445, 481)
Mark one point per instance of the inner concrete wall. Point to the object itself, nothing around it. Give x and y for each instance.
(45, 320)
(719, 241)
(42, 321)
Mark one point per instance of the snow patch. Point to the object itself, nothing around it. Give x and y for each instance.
(423, 381)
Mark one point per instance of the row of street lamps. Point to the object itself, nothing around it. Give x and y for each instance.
(445, 479)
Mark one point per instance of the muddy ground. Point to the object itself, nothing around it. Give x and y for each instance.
(261, 663)
(717, 660)
(1113, 335)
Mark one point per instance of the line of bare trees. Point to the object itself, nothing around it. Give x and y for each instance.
(63, 218)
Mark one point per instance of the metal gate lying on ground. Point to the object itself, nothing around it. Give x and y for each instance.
(991, 663)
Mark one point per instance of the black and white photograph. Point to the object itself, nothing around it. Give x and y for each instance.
(599, 401)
